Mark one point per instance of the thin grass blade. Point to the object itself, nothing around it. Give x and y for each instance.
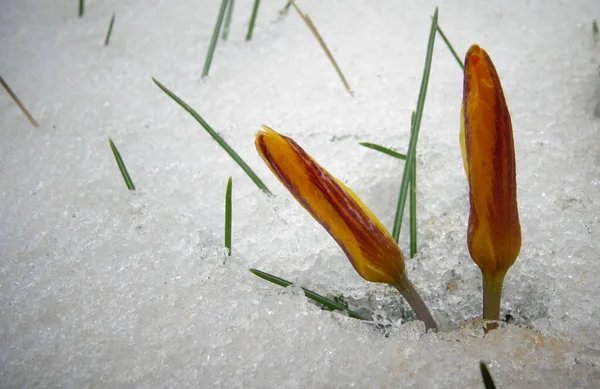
(216, 137)
(460, 63)
(329, 304)
(18, 102)
(230, 5)
(313, 29)
(414, 136)
(413, 197)
(81, 7)
(595, 27)
(214, 39)
(252, 20)
(488, 382)
(121, 165)
(382, 149)
(228, 217)
(110, 28)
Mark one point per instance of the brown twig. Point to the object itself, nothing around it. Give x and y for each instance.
(18, 102)
(313, 29)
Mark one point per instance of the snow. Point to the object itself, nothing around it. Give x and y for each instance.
(102, 287)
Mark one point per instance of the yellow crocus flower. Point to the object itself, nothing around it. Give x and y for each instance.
(365, 241)
(494, 232)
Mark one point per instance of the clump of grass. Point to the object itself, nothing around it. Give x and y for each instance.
(121, 165)
(110, 28)
(414, 136)
(18, 102)
(214, 39)
(320, 300)
(216, 137)
(252, 19)
(411, 170)
(228, 217)
(313, 29)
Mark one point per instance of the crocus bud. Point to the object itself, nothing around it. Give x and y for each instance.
(494, 232)
(365, 241)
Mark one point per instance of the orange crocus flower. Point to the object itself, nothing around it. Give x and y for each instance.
(365, 241)
(494, 232)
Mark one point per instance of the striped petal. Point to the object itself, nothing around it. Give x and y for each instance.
(366, 242)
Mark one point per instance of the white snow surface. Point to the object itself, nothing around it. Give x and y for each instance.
(103, 287)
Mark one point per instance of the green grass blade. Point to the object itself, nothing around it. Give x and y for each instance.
(110, 28)
(252, 19)
(214, 39)
(329, 304)
(121, 164)
(382, 149)
(439, 30)
(216, 137)
(230, 5)
(81, 8)
(413, 198)
(414, 136)
(595, 27)
(228, 217)
(488, 382)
